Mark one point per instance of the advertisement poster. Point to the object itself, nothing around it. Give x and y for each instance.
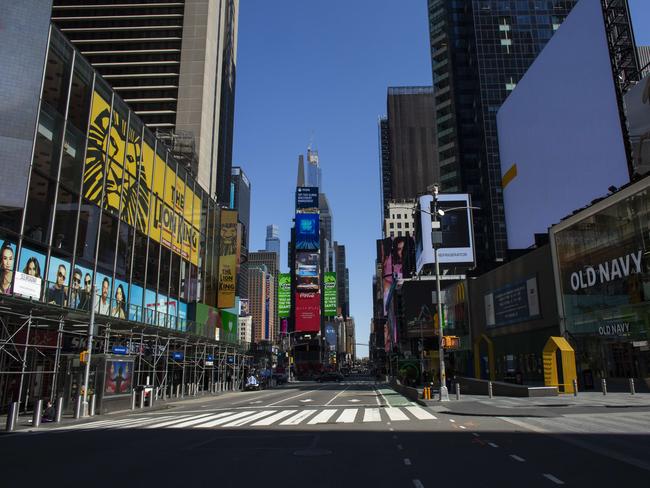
(120, 297)
(330, 335)
(284, 295)
(135, 304)
(119, 377)
(396, 257)
(517, 302)
(57, 285)
(307, 232)
(7, 258)
(157, 203)
(28, 281)
(307, 199)
(229, 331)
(227, 259)
(103, 288)
(81, 288)
(330, 297)
(307, 311)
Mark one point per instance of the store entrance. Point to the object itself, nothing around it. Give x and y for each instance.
(622, 363)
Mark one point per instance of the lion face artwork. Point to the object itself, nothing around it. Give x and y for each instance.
(228, 245)
(113, 161)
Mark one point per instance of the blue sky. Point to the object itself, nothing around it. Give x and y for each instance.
(314, 70)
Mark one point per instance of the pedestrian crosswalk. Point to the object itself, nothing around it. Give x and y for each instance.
(262, 418)
(602, 423)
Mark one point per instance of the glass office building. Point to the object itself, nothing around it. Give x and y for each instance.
(603, 284)
(93, 204)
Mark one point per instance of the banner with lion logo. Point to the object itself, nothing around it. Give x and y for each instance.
(227, 259)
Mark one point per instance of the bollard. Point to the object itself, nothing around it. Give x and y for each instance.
(11, 416)
(59, 409)
(575, 387)
(632, 391)
(77, 407)
(603, 382)
(36, 416)
(490, 393)
(142, 398)
(93, 400)
(457, 391)
(178, 391)
(133, 394)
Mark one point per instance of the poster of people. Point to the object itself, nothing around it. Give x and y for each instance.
(396, 256)
(7, 258)
(119, 375)
(28, 281)
(57, 285)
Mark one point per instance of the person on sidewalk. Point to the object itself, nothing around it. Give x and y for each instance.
(49, 415)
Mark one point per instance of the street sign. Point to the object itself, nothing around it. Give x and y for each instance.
(120, 350)
(210, 357)
(177, 356)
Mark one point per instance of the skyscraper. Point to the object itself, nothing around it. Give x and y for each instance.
(174, 63)
(273, 240)
(342, 279)
(261, 290)
(241, 201)
(314, 175)
(409, 156)
(270, 261)
(479, 51)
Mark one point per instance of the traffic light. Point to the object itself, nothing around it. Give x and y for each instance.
(451, 342)
(83, 357)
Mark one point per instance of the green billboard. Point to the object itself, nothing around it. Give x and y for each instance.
(330, 294)
(284, 295)
(229, 330)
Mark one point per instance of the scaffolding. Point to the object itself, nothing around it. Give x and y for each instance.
(41, 346)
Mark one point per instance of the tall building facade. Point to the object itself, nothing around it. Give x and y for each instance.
(409, 157)
(399, 220)
(174, 63)
(240, 199)
(644, 59)
(271, 262)
(314, 175)
(260, 295)
(479, 51)
(343, 284)
(273, 240)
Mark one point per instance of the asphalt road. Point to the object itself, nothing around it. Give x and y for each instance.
(352, 434)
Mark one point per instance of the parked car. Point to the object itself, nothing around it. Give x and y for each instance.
(329, 376)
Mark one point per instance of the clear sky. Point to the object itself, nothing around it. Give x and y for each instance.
(315, 70)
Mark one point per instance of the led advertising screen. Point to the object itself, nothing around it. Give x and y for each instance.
(227, 259)
(307, 311)
(560, 137)
(456, 226)
(284, 295)
(330, 294)
(119, 377)
(307, 199)
(229, 330)
(637, 109)
(307, 232)
(395, 254)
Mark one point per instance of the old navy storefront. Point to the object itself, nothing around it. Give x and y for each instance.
(603, 285)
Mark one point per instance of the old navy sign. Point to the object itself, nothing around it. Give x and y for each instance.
(617, 268)
(617, 329)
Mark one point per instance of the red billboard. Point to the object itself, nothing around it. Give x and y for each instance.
(307, 311)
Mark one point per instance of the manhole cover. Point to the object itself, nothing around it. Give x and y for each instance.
(312, 452)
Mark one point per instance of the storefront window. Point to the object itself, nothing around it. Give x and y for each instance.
(72, 160)
(107, 242)
(87, 232)
(48, 142)
(57, 74)
(39, 208)
(79, 107)
(65, 221)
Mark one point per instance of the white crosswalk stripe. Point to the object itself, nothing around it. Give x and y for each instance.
(275, 417)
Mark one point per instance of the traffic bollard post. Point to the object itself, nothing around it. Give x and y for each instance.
(490, 393)
(142, 398)
(575, 387)
(632, 391)
(11, 416)
(457, 391)
(77, 407)
(93, 402)
(133, 394)
(603, 382)
(36, 416)
(59, 409)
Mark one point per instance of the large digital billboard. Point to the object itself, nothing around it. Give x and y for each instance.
(637, 109)
(227, 259)
(307, 311)
(128, 179)
(284, 295)
(307, 232)
(307, 199)
(560, 136)
(395, 255)
(457, 246)
(330, 294)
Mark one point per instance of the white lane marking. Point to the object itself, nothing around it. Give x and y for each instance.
(452, 421)
(420, 413)
(391, 429)
(377, 396)
(399, 447)
(492, 444)
(253, 403)
(171, 422)
(322, 417)
(354, 400)
(142, 422)
(306, 400)
(299, 417)
(462, 427)
(274, 418)
(371, 415)
(196, 420)
(407, 461)
(395, 414)
(348, 416)
(250, 418)
(336, 396)
(295, 396)
(553, 479)
(517, 458)
(418, 484)
(225, 418)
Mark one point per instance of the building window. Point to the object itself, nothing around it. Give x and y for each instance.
(392, 225)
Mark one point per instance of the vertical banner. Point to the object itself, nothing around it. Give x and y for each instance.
(330, 294)
(227, 259)
(284, 295)
(229, 330)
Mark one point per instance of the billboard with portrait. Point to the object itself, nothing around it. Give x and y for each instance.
(7, 260)
(284, 295)
(135, 303)
(119, 300)
(139, 185)
(307, 232)
(307, 199)
(80, 288)
(28, 280)
(57, 282)
(119, 377)
(396, 258)
(330, 292)
(457, 246)
(227, 259)
(103, 287)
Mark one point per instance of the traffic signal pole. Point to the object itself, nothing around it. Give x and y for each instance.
(444, 394)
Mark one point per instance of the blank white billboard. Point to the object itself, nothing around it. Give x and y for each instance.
(560, 134)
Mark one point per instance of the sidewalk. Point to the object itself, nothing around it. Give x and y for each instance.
(585, 402)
